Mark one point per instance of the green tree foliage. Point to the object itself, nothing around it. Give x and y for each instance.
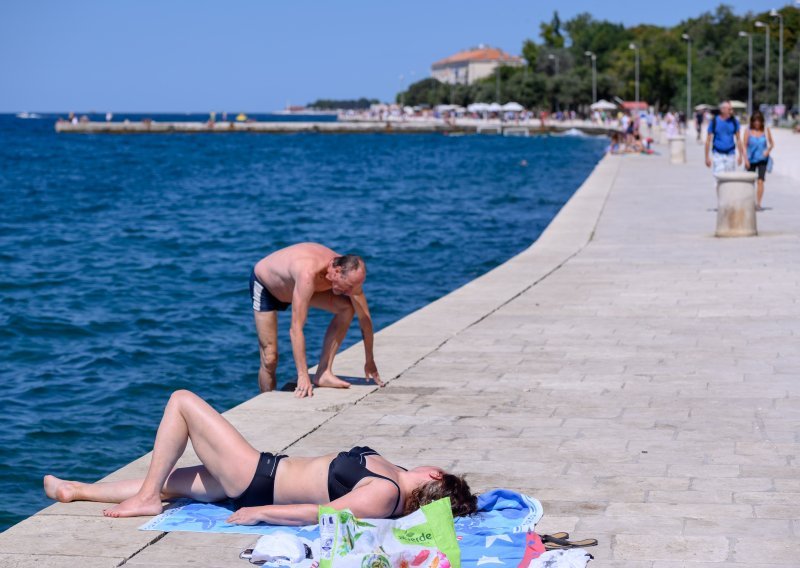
(346, 104)
(719, 64)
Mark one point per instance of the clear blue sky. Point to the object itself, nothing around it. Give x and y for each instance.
(181, 55)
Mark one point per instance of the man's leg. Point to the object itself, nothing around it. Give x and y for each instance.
(342, 307)
(267, 328)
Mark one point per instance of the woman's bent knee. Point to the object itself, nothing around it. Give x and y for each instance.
(182, 396)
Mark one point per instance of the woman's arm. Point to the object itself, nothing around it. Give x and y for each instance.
(289, 515)
(770, 143)
(744, 149)
(374, 500)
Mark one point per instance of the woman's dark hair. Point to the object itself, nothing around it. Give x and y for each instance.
(757, 116)
(348, 263)
(462, 501)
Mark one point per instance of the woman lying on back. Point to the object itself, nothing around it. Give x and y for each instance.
(266, 488)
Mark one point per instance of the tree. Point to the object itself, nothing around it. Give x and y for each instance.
(719, 64)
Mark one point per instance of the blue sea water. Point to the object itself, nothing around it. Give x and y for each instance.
(124, 263)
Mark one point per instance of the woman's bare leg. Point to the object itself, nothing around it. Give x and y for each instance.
(225, 454)
(194, 482)
(760, 192)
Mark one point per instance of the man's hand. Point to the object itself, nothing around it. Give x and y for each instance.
(708, 162)
(304, 387)
(245, 516)
(371, 372)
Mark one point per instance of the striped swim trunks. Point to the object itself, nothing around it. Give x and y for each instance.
(263, 300)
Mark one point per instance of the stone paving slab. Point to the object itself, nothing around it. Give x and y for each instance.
(634, 373)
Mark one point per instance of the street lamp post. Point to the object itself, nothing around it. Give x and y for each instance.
(749, 71)
(766, 59)
(775, 14)
(594, 74)
(635, 49)
(688, 75)
(554, 59)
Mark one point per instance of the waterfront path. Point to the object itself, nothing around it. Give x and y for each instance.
(637, 375)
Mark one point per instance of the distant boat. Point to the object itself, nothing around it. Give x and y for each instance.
(28, 115)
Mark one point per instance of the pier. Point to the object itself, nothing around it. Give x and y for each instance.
(333, 127)
(633, 372)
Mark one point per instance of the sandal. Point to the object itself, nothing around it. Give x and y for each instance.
(553, 542)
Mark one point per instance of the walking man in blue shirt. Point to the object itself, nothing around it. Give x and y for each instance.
(723, 141)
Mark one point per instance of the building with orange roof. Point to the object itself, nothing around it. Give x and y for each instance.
(470, 65)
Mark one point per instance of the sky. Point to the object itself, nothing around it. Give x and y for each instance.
(260, 55)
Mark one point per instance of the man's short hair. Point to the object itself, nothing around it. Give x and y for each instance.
(349, 262)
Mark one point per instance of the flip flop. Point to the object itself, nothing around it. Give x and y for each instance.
(551, 542)
(561, 535)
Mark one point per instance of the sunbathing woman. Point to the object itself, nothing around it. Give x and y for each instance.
(267, 488)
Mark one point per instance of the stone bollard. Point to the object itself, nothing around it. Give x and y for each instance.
(677, 150)
(736, 204)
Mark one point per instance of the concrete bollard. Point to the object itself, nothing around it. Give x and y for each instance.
(677, 150)
(736, 204)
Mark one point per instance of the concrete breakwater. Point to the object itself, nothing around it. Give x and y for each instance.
(342, 127)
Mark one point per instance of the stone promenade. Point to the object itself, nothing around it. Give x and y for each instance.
(637, 375)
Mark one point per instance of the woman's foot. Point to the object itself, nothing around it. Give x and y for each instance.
(60, 489)
(328, 379)
(136, 506)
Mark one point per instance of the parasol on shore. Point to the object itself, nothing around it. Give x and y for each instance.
(603, 104)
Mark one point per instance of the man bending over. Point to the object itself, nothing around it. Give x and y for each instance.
(309, 275)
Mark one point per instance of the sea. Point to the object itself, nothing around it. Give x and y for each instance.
(125, 259)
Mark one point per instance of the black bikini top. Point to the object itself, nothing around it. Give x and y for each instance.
(348, 468)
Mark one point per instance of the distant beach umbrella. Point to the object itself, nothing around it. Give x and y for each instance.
(478, 107)
(513, 107)
(495, 107)
(603, 104)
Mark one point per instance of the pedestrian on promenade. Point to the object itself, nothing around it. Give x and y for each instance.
(723, 141)
(698, 123)
(303, 276)
(759, 144)
(265, 487)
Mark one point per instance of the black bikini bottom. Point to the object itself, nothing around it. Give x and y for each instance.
(261, 490)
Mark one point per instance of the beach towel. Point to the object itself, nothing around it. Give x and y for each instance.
(500, 534)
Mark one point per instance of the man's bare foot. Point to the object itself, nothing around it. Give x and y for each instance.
(59, 489)
(328, 379)
(136, 506)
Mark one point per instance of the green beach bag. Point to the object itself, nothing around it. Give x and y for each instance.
(424, 539)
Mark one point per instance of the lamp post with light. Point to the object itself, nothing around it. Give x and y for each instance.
(749, 71)
(688, 75)
(775, 14)
(635, 49)
(594, 74)
(760, 24)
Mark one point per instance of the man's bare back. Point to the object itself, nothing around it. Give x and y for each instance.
(310, 275)
(280, 270)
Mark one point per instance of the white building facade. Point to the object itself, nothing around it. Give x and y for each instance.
(468, 66)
